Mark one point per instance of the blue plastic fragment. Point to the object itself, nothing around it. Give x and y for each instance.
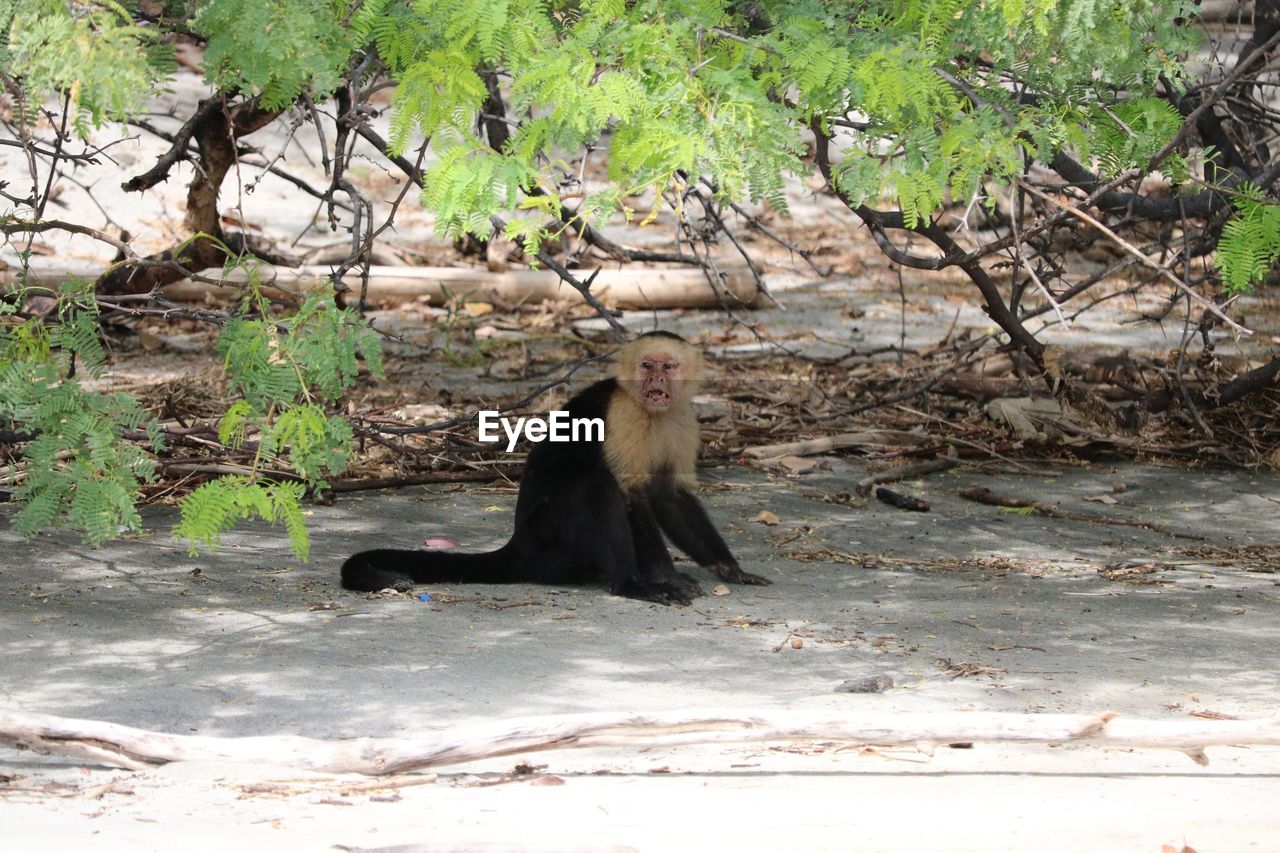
(424, 596)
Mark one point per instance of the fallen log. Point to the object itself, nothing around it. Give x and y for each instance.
(131, 748)
(622, 288)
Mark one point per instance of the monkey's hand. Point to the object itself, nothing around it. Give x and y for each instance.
(731, 572)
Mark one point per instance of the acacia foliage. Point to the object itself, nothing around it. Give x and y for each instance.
(1250, 241)
(938, 96)
(935, 101)
(95, 55)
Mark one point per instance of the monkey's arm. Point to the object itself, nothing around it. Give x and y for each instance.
(685, 521)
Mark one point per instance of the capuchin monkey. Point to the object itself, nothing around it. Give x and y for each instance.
(591, 511)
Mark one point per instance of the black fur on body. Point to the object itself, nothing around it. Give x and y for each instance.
(575, 524)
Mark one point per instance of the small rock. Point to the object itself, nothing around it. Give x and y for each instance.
(869, 684)
(547, 781)
(798, 464)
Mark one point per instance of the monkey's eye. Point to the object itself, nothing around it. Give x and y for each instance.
(646, 365)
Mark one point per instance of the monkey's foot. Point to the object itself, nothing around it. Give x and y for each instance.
(737, 575)
(675, 588)
(686, 584)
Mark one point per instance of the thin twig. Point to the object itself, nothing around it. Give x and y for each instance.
(1137, 253)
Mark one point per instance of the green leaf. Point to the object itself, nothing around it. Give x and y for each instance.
(278, 50)
(220, 504)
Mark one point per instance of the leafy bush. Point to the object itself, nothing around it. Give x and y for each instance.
(78, 469)
(284, 370)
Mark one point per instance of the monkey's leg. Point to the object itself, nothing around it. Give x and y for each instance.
(584, 531)
(685, 521)
(655, 571)
(635, 560)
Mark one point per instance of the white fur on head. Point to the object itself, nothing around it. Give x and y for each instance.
(643, 440)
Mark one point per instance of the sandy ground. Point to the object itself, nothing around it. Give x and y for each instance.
(131, 633)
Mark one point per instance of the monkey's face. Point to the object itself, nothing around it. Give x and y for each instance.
(658, 379)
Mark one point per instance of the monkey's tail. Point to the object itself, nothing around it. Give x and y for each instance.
(370, 571)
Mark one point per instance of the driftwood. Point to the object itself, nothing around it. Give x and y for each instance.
(122, 746)
(903, 472)
(981, 494)
(827, 443)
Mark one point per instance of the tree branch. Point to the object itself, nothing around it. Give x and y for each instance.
(215, 127)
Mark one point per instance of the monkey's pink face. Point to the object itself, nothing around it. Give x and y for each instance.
(659, 379)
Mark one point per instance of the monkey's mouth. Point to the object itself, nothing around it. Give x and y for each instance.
(656, 397)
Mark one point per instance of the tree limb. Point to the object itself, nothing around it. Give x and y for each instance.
(215, 126)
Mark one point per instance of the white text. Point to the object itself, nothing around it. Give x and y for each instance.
(558, 426)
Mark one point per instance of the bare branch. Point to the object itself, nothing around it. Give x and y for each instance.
(1137, 253)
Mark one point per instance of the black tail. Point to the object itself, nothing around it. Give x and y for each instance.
(370, 571)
